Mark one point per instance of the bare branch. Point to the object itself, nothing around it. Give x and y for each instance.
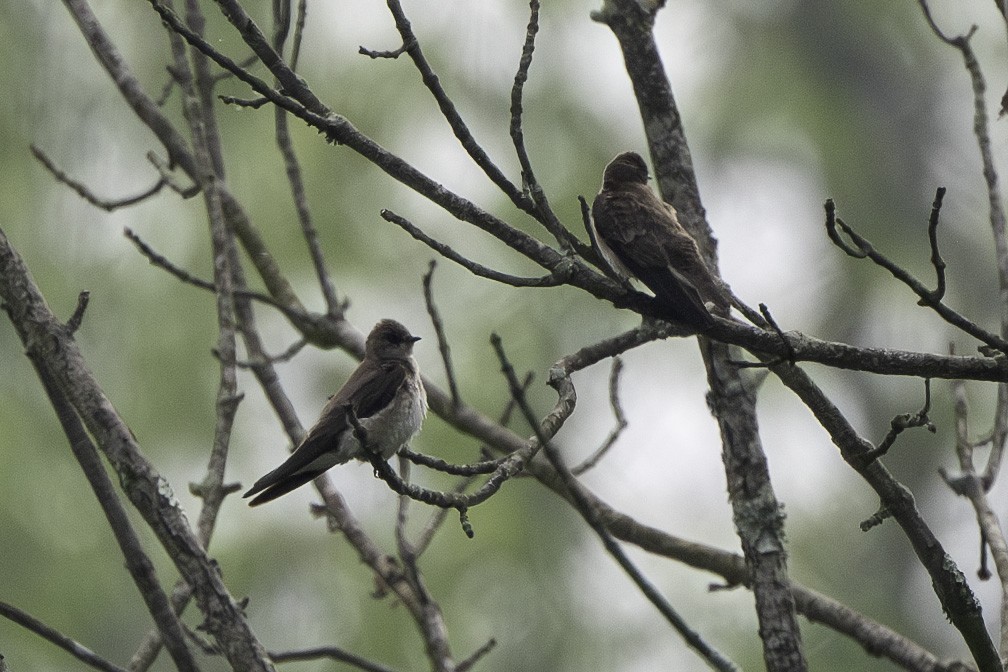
(308, 230)
(179, 152)
(560, 381)
(138, 563)
(47, 342)
(74, 323)
(936, 258)
(621, 421)
(451, 114)
(927, 297)
(281, 21)
(476, 656)
(997, 217)
(164, 263)
(438, 323)
(903, 422)
(545, 214)
(392, 54)
(106, 204)
(331, 653)
(949, 584)
(969, 485)
(77, 650)
(554, 279)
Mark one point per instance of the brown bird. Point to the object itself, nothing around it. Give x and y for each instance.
(387, 397)
(640, 236)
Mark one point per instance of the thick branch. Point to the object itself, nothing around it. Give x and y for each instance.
(138, 563)
(46, 342)
(75, 649)
(954, 593)
(758, 517)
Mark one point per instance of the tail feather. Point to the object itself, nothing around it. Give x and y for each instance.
(677, 297)
(316, 454)
(268, 493)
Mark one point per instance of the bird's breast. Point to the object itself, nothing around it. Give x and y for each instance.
(393, 426)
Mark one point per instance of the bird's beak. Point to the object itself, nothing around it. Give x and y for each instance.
(414, 339)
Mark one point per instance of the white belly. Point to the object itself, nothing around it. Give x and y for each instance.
(393, 427)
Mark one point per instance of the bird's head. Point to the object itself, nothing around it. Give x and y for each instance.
(626, 168)
(389, 340)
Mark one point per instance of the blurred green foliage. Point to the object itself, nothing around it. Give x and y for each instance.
(857, 99)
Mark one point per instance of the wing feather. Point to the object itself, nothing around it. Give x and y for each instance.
(369, 389)
(639, 232)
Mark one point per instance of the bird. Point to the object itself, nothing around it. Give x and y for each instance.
(384, 393)
(640, 236)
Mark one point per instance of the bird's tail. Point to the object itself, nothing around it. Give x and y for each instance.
(270, 491)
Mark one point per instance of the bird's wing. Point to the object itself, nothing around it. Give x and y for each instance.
(620, 217)
(368, 390)
(639, 229)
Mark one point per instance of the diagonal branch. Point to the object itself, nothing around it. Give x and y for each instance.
(106, 204)
(950, 586)
(46, 341)
(75, 649)
(411, 45)
(561, 382)
(544, 213)
(759, 520)
(929, 298)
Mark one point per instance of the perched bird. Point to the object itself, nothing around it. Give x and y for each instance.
(388, 399)
(640, 236)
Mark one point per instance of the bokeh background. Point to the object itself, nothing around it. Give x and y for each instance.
(785, 103)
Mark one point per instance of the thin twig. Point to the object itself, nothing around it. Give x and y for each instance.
(554, 279)
(936, 258)
(952, 317)
(443, 347)
(477, 655)
(106, 204)
(529, 182)
(74, 323)
(440, 515)
(299, 24)
(284, 356)
(903, 422)
(621, 421)
(391, 54)
(185, 276)
(75, 649)
(437, 464)
(168, 174)
(330, 652)
(560, 380)
(249, 103)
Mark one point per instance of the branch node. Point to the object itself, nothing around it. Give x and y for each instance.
(876, 519)
(464, 522)
(443, 347)
(934, 297)
(393, 54)
(902, 422)
(74, 323)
